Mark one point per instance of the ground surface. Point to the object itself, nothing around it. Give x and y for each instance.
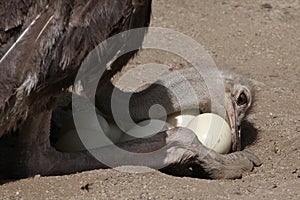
(258, 40)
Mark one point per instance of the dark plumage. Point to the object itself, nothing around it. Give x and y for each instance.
(44, 42)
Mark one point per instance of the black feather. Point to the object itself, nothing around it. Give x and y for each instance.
(44, 42)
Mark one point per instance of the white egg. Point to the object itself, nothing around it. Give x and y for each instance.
(213, 131)
(182, 119)
(146, 129)
(86, 120)
(91, 136)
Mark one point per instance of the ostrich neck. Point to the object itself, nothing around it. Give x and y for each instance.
(175, 91)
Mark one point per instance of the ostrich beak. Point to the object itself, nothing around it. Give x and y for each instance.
(232, 118)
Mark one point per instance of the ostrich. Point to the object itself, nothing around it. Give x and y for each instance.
(43, 44)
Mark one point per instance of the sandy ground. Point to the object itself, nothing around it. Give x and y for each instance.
(258, 40)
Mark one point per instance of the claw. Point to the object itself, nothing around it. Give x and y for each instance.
(253, 158)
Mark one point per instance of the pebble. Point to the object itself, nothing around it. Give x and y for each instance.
(266, 5)
(297, 172)
(274, 186)
(238, 191)
(37, 176)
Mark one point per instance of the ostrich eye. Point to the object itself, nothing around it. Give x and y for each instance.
(242, 99)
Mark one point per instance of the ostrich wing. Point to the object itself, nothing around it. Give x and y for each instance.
(44, 42)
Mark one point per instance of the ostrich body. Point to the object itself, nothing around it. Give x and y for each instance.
(43, 44)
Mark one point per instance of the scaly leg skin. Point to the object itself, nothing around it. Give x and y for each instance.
(200, 161)
(176, 149)
(181, 153)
